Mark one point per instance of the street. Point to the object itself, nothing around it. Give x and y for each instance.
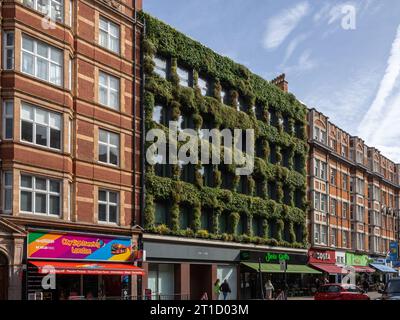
(373, 295)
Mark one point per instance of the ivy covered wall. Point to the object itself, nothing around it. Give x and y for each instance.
(286, 214)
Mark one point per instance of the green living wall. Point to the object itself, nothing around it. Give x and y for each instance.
(287, 220)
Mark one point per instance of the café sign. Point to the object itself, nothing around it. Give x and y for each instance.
(321, 256)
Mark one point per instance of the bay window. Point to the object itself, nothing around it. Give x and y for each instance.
(8, 50)
(8, 119)
(40, 195)
(54, 9)
(42, 60)
(7, 191)
(41, 127)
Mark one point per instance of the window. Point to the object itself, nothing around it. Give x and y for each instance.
(320, 232)
(161, 213)
(344, 151)
(360, 241)
(40, 195)
(207, 172)
(71, 4)
(345, 238)
(320, 169)
(108, 147)
(224, 96)
(333, 207)
(40, 127)
(333, 176)
(344, 181)
(184, 217)
(320, 201)
(42, 60)
(184, 77)
(51, 8)
(161, 67)
(345, 209)
(109, 90)
(206, 221)
(203, 85)
(320, 135)
(8, 50)
(8, 119)
(257, 226)
(333, 237)
(70, 73)
(108, 206)
(109, 35)
(7, 191)
(69, 135)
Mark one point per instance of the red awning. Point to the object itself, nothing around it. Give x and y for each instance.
(363, 269)
(328, 268)
(60, 267)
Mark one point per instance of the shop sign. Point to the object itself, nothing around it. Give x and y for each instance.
(393, 251)
(75, 246)
(321, 256)
(273, 257)
(356, 259)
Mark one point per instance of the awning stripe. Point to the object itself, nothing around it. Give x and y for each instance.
(87, 268)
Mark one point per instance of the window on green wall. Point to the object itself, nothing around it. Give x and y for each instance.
(161, 214)
(260, 188)
(272, 229)
(287, 197)
(242, 224)
(184, 217)
(257, 226)
(206, 219)
(272, 190)
(242, 187)
(224, 222)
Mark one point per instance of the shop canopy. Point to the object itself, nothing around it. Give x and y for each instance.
(90, 268)
(329, 268)
(276, 268)
(383, 268)
(363, 269)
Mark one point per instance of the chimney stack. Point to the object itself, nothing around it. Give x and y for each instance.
(281, 83)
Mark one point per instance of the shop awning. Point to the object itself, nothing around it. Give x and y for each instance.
(383, 268)
(275, 268)
(87, 268)
(328, 268)
(363, 269)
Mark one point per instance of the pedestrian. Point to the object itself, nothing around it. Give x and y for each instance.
(269, 289)
(326, 281)
(317, 283)
(366, 285)
(225, 289)
(217, 289)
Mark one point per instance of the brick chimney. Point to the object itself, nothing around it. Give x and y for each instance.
(281, 83)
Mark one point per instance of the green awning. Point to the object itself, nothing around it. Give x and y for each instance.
(275, 268)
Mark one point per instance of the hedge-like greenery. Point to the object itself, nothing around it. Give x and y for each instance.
(165, 41)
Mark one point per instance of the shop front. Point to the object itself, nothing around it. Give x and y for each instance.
(325, 261)
(180, 270)
(359, 263)
(69, 265)
(383, 270)
(284, 269)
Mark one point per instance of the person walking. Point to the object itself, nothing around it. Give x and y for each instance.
(269, 289)
(225, 289)
(217, 289)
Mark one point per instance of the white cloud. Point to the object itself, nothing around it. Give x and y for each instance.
(304, 63)
(280, 26)
(293, 45)
(373, 118)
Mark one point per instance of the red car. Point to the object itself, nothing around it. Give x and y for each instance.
(338, 291)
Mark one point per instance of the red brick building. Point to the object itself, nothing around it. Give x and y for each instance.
(70, 129)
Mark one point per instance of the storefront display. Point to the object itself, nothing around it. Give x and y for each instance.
(86, 266)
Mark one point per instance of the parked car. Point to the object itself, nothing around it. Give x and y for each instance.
(391, 290)
(338, 291)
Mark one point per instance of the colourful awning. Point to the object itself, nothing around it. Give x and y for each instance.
(328, 268)
(383, 268)
(89, 268)
(275, 268)
(363, 269)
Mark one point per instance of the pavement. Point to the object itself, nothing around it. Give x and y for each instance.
(373, 296)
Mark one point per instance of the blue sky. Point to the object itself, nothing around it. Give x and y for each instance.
(351, 75)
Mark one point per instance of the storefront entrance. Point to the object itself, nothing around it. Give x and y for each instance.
(3, 277)
(200, 281)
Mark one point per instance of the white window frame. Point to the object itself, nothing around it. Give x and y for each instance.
(109, 145)
(107, 203)
(8, 188)
(35, 57)
(109, 37)
(108, 89)
(182, 73)
(46, 192)
(7, 116)
(48, 126)
(7, 48)
(203, 84)
(50, 8)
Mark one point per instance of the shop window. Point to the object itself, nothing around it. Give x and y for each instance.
(242, 224)
(40, 195)
(161, 214)
(108, 147)
(185, 218)
(206, 220)
(161, 281)
(109, 35)
(8, 119)
(108, 206)
(42, 60)
(257, 226)
(109, 90)
(41, 127)
(50, 8)
(7, 191)
(224, 222)
(8, 50)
